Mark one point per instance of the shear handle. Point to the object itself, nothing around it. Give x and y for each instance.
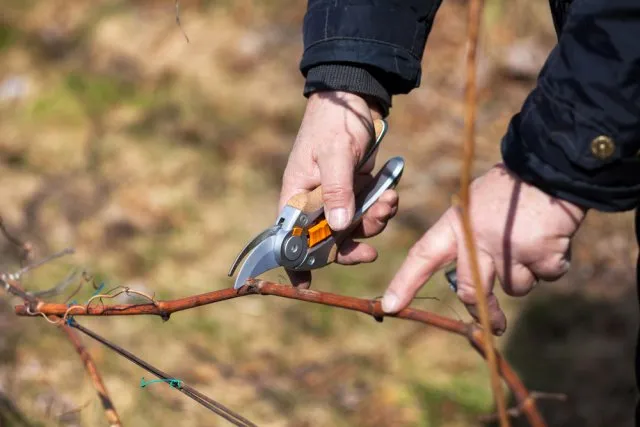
(325, 252)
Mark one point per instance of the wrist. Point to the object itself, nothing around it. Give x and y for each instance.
(377, 111)
(353, 78)
(578, 212)
(354, 101)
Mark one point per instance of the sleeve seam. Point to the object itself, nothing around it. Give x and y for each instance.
(372, 41)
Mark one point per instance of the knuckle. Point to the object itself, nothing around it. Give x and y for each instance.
(520, 283)
(353, 146)
(394, 212)
(552, 268)
(420, 252)
(519, 289)
(374, 226)
(381, 212)
(292, 173)
(466, 293)
(336, 193)
(560, 263)
(287, 176)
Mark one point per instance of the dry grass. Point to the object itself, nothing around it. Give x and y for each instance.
(157, 159)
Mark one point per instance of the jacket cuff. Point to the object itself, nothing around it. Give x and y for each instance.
(348, 78)
(388, 37)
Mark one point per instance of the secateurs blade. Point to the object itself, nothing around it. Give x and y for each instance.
(301, 238)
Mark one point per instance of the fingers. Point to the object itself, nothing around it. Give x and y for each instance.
(374, 222)
(553, 266)
(352, 253)
(467, 292)
(516, 279)
(432, 252)
(300, 279)
(336, 164)
(437, 248)
(376, 218)
(519, 278)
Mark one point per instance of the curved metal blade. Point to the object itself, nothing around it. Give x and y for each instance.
(252, 244)
(261, 259)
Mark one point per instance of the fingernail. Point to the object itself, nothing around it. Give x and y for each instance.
(338, 218)
(390, 302)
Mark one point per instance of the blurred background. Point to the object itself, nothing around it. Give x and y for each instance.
(157, 159)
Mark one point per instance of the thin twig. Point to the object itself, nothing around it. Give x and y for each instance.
(110, 412)
(86, 277)
(25, 247)
(207, 402)
(516, 411)
(12, 287)
(65, 414)
(58, 289)
(475, 9)
(90, 366)
(372, 307)
(11, 284)
(178, 20)
(43, 261)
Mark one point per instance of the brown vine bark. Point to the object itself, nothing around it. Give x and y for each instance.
(96, 378)
(475, 16)
(90, 366)
(259, 287)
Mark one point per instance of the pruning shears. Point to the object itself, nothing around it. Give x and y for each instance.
(301, 239)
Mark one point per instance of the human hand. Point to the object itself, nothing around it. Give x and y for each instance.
(521, 235)
(335, 132)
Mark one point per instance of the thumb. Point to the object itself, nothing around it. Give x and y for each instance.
(336, 164)
(433, 251)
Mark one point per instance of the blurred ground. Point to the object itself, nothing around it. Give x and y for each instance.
(157, 159)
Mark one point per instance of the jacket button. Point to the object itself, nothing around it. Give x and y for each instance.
(602, 147)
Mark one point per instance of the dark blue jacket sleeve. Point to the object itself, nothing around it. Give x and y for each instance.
(371, 47)
(577, 137)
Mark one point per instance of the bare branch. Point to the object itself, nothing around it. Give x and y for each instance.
(65, 414)
(59, 288)
(89, 364)
(66, 323)
(25, 247)
(372, 307)
(517, 411)
(12, 287)
(40, 263)
(178, 21)
(205, 401)
(475, 9)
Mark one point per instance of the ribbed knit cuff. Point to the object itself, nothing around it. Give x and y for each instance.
(348, 78)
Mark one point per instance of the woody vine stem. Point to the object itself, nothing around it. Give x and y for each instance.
(475, 16)
(164, 309)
